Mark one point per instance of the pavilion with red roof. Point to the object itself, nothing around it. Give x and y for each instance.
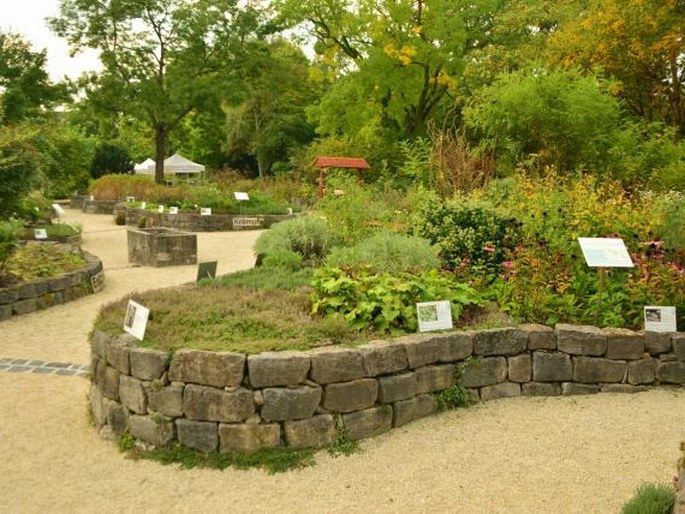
(356, 163)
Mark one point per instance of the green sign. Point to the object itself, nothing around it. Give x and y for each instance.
(206, 270)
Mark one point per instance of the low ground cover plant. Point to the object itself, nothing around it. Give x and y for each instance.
(35, 261)
(651, 499)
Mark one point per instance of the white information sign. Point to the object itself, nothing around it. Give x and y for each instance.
(173, 210)
(605, 252)
(136, 318)
(205, 211)
(434, 316)
(660, 319)
(40, 233)
(160, 209)
(58, 209)
(130, 199)
(143, 205)
(241, 197)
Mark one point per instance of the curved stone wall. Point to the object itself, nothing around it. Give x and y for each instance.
(41, 294)
(229, 401)
(194, 222)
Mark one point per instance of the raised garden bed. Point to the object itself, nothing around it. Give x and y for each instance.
(160, 246)
(228, 401)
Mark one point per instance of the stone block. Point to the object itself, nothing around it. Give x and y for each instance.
(5, 312)
(572, 389)
(551, 367)
(678, 343)
(642, 371)
(315, 432)
(368, 423)
(624, 344)
(580, 340)
(147, 364)
(98, 406)
(166, 400)
(118, 418)
(420, 406)
(539, 337)
(270, 369)
(248, 438)
(397, 387)
(99, 342)
(499, 341)
(202, 403)
(672, 372)
(657, 343)
(218, 369)
(422, 349)
(351, 396)
(589, 370)
(336, 365)
(485, 371)
(57, 284)
(28, 290)
(282, 404)
(24, 306)
(455, 346)
(435, 378)
(541, 389)
(383, 357)
(117, 355)
(148, 430)
(160, 246)
(9, 295)
(503, 390)
(198, 435)
(621, 388)
(520, 368)
(132, 394)
(110, 382)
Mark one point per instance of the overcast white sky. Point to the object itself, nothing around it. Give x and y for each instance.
(27, 17)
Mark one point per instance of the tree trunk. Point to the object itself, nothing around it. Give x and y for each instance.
(160, 149)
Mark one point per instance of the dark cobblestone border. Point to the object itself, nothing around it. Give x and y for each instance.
(39, 367)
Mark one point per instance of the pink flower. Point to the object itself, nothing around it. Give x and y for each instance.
(508, 264)
(489, 248)
(464, 263)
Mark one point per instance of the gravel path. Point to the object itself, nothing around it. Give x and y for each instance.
(525, 455)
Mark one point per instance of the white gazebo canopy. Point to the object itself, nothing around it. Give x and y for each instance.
(144, 167)
(178, 165)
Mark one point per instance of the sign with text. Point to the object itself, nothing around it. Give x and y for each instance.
(434, 316)
(97, 281)
(130, 199)
(206, 270)
(246, 222)
(205, 211)
(160, 209)
(605, 252)
(58, 209)
(173, 210)
(40, 233)
(135, 321)
(660, 319)
(241, 197)
(143, 205)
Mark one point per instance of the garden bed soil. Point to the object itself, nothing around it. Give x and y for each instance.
(571, 454)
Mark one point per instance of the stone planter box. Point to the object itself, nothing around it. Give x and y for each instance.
(226, 401)
(194, 222)
(160, 246)
(41, 294)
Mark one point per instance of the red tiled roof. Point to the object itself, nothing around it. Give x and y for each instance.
(342, 162)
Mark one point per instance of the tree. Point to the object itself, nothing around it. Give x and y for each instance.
(639, 43)
(18, 164)
(25, 89)
(161, 57)
(110, 158)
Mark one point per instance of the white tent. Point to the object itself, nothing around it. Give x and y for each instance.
(144, 167)
(178, 165)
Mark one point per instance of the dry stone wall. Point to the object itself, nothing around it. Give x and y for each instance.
(228, 401)
(41, 294)
(194, 222)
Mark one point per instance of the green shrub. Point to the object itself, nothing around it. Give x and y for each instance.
(470, 235)
(8, 241)
(307, 236)
(387, 251)
(283, 259)
(651, 499)
(386, 302)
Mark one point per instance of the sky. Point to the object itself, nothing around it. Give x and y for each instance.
(27, 17)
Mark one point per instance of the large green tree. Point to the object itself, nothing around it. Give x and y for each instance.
(160, 57)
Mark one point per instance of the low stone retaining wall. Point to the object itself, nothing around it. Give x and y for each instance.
(41, 294)
(98, 206)
(193, 222)
(229, 401)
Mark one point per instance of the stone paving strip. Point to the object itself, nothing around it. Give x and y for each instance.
(67, 369)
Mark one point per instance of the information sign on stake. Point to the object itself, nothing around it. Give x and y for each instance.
(160, 209)
(241, 197)
(660, 319)
(143, 205)
(40, 233)
(173, 210)
(206, 270)
(130, 199)
(205, 211)
(434, 316)
(58, 209)
(135, 321)
(605, 252)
